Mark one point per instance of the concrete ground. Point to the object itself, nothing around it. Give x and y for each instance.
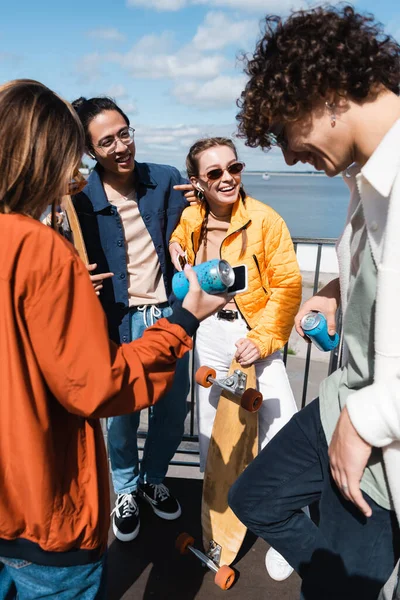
(149, 568)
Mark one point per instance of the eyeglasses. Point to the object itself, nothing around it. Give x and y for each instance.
(233, 169)
(109, 144)
(76, 185)
(277, 137)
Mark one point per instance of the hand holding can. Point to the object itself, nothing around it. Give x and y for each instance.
(315, 327)
(215, 277)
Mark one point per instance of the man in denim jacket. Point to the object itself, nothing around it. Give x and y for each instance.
(127, 212)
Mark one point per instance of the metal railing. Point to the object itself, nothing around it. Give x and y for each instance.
(189, 444)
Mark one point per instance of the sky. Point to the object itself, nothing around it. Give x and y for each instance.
(172, 65)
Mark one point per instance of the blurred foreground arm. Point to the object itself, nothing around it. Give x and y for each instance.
(86, 372)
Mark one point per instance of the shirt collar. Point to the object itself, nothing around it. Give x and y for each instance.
(143, 175)
(383, 166)
(95, 190)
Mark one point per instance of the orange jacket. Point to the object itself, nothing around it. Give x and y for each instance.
(274, 282)
(58, 374)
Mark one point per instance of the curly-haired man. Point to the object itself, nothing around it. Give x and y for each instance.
(323, 86)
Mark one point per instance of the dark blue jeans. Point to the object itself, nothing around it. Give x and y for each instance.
(166, 423)
(346, 555)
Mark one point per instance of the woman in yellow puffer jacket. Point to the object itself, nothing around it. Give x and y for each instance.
(256, 324)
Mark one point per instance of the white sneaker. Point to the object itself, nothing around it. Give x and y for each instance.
(278, 568)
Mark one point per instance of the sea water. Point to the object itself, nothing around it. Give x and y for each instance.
(313, 206)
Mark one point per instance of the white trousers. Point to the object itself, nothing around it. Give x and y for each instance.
(215, 347)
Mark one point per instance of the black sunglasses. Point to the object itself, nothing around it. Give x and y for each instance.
(233, 169)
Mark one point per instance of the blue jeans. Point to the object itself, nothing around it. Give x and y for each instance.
(166, 423)
(346, 555)
(27, 581)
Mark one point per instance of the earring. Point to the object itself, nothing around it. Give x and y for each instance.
(331, 106)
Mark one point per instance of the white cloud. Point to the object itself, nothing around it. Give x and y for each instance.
(263, 6)
(179, 136)
(117, 91)
(88, 67)
(165, 5)
(129, 107)
(220, 92)
(153, 57)
(109, 34)
(218, 31)
(170, 145)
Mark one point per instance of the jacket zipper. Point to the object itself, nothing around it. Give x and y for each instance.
(231, 233)
(259, 272)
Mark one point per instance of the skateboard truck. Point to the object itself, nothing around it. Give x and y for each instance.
(224, 576)
(214, 552)
(233, 386)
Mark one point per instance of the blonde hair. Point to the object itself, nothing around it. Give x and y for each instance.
(41, 145)
(192, 168)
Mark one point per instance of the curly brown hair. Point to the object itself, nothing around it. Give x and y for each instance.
(313, 52)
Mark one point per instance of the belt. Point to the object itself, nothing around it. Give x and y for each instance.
(228, 315)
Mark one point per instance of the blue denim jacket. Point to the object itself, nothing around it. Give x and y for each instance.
(160, 207)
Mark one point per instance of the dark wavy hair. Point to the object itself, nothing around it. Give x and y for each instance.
(313, 52)
(88, 109)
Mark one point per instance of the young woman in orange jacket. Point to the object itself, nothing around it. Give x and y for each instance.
(256, 324)
(59, 372)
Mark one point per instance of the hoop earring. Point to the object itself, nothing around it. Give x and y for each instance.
(331, 106)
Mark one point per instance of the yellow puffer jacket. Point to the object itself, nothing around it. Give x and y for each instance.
(274, 282)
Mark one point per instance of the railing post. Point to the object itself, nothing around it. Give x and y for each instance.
(308, 357)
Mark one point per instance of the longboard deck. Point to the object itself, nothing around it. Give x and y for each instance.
(73, 221)
(233, 445)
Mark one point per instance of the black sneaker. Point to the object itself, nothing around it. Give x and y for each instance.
(160, 500)
(126, 523)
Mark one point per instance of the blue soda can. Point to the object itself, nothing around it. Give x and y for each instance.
(315, 328)
(215, 277)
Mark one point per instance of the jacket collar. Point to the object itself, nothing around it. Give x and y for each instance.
(95, 190)
(384, 164)
(239, 217)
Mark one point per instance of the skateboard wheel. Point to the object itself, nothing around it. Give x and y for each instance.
(182, 543)
(202, 375)
(225, 577)
(251, 400)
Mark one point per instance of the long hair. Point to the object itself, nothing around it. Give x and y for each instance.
(192, 168)
(88, 109)
(41, 145)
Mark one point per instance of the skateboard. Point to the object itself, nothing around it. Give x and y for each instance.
(233, 445)
(75, 228)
